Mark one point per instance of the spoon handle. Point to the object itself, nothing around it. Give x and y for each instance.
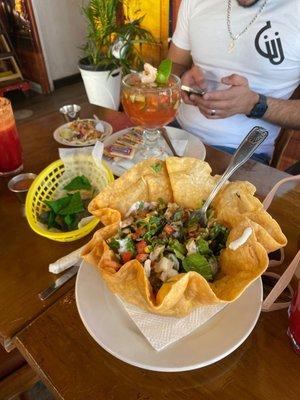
(245, 150)
(167, 139)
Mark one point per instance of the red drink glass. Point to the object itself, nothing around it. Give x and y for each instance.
(150, 106)
(294, 320)
(10, 147)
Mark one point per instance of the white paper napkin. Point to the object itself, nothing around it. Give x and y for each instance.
(179, 145)
(66, 262)
(159, 331)
(162, 331)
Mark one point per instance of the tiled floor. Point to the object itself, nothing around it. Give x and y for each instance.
(42, 104)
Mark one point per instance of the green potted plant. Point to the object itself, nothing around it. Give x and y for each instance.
(112, 48)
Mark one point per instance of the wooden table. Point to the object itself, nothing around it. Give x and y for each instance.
(25, 256)
(52, 338)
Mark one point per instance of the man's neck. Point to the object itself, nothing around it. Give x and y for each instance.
(247, 3)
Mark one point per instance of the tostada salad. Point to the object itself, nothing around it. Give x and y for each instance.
(167, 240)
(155, 255)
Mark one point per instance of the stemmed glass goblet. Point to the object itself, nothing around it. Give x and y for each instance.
(150, 106)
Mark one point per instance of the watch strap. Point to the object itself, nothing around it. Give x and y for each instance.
(259, 108)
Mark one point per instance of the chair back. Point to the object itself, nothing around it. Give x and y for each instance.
(284, 138)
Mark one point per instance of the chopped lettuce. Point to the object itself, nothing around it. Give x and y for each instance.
(203, 247)
(114, 244)
(218, 235)
(178, 248)
(154, 225)
(198, 263)
(172, 233)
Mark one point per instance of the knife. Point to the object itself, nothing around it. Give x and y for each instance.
(58, 283)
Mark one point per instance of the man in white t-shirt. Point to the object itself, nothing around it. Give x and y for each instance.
(246, 53)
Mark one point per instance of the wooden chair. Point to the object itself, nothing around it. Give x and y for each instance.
(281, 145)
(284, 139)
(16, 376)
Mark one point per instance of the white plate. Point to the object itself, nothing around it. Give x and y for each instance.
(112, 328)
(75, 143)
(194, 148)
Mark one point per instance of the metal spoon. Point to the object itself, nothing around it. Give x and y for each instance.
(165, 135)
(245, 150)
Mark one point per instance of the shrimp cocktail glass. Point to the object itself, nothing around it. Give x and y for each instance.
(151, 100)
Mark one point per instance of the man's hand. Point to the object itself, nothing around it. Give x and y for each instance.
(194, 77)
(237, 99)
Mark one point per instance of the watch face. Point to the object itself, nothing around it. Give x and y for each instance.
(260, 108)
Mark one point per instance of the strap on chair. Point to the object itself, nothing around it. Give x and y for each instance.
(283, 281)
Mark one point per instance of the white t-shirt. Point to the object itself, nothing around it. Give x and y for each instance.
(267, 54)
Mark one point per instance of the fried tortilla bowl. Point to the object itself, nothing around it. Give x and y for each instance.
(185, 181)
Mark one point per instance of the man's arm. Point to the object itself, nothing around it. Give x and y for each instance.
(285, 113)
(240, 99)
(182, 59)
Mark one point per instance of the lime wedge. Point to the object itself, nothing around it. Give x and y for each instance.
(164, 71)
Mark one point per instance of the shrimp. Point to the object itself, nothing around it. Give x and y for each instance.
(149, 73)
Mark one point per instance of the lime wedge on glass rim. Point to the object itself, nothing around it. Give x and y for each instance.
(164, 71)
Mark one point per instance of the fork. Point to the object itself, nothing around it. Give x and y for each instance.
(245, 150)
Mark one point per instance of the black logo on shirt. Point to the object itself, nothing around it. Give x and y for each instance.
(267, 47)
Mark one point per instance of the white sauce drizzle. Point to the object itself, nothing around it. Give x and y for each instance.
(147, 267)
(241, 240)
(122, 245)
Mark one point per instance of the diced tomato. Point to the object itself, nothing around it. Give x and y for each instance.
(139, 232)
(164, 99)
(169, 229)
(140, 246)
(142, 257)
(126, 256)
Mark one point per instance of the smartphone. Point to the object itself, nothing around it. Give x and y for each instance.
(190, 90)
